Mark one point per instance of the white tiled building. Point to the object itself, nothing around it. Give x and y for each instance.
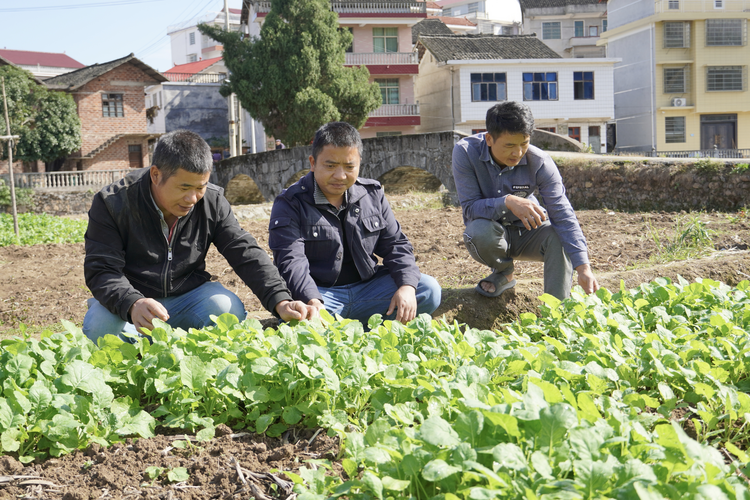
(571, 97)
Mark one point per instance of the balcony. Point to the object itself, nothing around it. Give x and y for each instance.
(196, 77)
(367, 7)
(396, 110)
(673, 6)
(584, 41)
(380, 58)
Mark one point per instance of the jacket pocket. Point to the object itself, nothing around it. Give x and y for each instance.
(321, 241)
(278, 222)
(373, 223)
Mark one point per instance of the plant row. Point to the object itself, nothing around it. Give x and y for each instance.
(637, 394)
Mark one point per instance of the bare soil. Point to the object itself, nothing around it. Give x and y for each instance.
(43, 284)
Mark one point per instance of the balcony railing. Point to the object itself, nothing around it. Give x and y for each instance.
(396, 110)
(666, 6)
(380, 58)
(580, 41)
(362, 7)
(66, 181)
(695, 153)
(196, 77)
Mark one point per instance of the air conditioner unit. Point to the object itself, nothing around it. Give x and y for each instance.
(679, 101)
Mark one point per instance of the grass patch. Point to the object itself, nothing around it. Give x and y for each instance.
(692, 239)
(34, 331)
(38, 229)
(416, 200)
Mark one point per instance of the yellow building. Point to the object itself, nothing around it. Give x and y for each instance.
(682, 84)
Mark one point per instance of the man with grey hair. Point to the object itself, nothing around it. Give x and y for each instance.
(146, 246)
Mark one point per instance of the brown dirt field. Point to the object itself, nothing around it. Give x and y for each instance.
(41, 285)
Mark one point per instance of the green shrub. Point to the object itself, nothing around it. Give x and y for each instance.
(37, 229)
(23, 196)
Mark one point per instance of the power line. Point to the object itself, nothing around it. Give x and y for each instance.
(111, 3)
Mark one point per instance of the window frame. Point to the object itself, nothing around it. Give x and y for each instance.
(673, 5)
(192, 38)
(113, 105)
(669, 85)
(543, 85)
(386, 85)
(499, 80)
(717, 31)
(578, 32)
(580, 85)
(546, 26)
(670, 43)
(386, 36)
(741, 70)
(675, 134)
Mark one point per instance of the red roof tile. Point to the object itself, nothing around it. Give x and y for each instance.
(194, 67)
(50, 59)
(456, 21)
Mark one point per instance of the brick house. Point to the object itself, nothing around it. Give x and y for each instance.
(112, 107)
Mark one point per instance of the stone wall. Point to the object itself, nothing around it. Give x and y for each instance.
(650, 186)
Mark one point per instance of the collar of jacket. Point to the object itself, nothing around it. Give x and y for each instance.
(305, 189)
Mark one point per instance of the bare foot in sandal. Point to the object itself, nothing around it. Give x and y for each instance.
(489, 287)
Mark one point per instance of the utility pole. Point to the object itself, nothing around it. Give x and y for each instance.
(10, 138)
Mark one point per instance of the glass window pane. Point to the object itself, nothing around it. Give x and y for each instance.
(476, 90)
(501, 96)
(391, 31)
(488, 77)
(377, 31)
(378, 44)
(527, 92)
(393, 96)
(391, 44)
(484, 92)
(551, 77)
(536, 91)
(588, 90)
(499, 77)
(527, 77)
(553, 91)
(545, 95)
(492, 88)
(538, 77)
(476, 77)
(579, 28)
(577, 75)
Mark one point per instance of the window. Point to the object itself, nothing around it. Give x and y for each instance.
(192, 57)
(593, 30)
(579, 28)
(388, 90)
(551, 31)
(447, 12)
(604, 25)
(574, 133)
(583, 85)
(488, 87)
(385, 39)
(675, 128)
(112, 105)
(723, 32)
(718, 4)
(674, 80)
(540, 86)
(192, 38)
(674, 4)
(676, 35)
(473, 7)
(724, 78)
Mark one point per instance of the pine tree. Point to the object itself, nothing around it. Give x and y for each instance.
(292, 78)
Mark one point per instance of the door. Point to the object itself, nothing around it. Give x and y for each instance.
(595, 139)
(719, 132)
(135, 156)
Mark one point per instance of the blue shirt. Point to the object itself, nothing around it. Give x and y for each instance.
(483, 186)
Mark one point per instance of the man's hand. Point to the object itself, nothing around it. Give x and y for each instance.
(295, 309)
(144, 310)
(586, 279)
(404, 301)
(317, 304)
(531, 214)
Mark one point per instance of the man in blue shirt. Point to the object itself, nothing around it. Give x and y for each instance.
(496, 175)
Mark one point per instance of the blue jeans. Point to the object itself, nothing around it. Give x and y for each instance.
(189, 310)
(361, 300)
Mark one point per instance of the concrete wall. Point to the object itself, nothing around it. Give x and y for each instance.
(622, 12)
(433, 91)
(634, 90)
(592, 15)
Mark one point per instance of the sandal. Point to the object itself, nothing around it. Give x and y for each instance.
(499, 280)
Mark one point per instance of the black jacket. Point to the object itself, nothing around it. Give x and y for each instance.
(127, 255)
(306, 241)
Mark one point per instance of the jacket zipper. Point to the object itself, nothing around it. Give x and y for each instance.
(169, 258)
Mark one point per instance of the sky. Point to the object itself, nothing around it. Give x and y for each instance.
(97, 31)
